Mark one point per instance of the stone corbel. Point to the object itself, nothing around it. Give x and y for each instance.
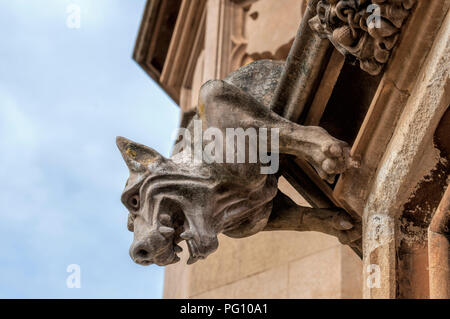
(367, 30)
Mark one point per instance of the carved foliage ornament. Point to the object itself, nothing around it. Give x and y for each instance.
(365, 29)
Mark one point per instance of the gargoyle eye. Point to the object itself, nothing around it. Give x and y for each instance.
(133, 202)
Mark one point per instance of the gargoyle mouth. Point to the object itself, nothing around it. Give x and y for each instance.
(199, 247)
(174, 225)
(180, 230)
(193, 248)
(170, 256)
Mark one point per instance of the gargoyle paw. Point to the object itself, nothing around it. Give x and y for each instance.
(332, 157)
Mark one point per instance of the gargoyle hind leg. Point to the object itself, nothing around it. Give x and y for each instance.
(222, 104)
(287, 215)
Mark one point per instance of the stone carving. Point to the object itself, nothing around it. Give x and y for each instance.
(365, 29)
(175, 199)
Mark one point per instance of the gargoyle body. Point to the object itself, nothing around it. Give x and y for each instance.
(170, 200)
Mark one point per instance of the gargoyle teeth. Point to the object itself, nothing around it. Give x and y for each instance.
(188, 234)
(166, 231)
(177, 249)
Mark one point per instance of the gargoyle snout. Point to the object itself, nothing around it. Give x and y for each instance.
(154, 248)
(141, 253)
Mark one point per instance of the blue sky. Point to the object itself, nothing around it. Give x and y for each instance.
(64, 96)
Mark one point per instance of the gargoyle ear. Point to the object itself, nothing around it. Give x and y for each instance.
(138, 157)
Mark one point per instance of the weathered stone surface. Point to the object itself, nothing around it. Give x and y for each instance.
(175, 199)
(387, 242)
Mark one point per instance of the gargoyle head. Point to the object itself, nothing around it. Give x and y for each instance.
(167, 203)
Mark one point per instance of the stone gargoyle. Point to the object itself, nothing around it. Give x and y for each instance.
(174, 199)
